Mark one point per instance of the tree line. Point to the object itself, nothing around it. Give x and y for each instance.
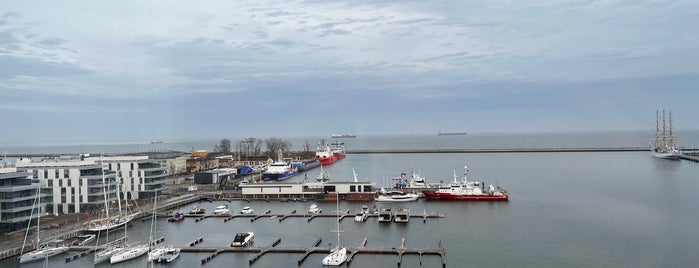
(253, 146)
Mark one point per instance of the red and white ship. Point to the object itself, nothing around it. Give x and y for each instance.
(327, 155)
(467, 191)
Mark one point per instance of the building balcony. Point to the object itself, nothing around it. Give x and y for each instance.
(152, 169)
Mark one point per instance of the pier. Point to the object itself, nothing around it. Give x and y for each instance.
(306, 251)
(309, 217)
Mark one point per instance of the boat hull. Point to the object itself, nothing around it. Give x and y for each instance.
(668, 155)
(336, 257)
(432, 195)
(279, 176)
(127, 254)
(41, 254)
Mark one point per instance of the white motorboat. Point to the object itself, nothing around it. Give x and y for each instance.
(247, 210)
(314, 209)
(396, 196)
(85, 239)
(170, 255)
(222, 209)
(243, 239)
(402, 215)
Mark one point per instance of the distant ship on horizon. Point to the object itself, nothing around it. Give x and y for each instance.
(343, 136)
(440, 133)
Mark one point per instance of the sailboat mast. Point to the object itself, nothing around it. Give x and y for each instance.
(657, 129)
(664, 131)
(671, 136)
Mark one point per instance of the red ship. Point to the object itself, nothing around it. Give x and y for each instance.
(327, 155)
(467, 191)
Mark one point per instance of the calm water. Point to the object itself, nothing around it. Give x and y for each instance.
(566, 210)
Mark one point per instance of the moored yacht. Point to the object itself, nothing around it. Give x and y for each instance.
(170, 255)
(243, 239)
(222, 209)
(396, 196)
(247, 210)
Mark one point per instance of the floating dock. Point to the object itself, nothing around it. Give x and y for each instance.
(306, 251)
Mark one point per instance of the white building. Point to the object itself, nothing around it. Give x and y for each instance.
(18, 194)
(139, 176)
(74, 185)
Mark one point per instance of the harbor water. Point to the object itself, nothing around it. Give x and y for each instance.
(594, 209)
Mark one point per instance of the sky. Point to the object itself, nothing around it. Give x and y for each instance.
(161, 70)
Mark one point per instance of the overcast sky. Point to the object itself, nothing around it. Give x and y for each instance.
(159, 70)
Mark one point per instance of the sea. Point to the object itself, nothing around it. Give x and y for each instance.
(566, 209)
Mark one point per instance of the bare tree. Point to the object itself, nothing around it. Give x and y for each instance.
(223, 147)
(275, 144)
(248, 146)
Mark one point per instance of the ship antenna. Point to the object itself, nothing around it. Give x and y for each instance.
(354, 174)
(465, 174)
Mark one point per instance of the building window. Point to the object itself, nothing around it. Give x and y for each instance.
(68, 180)
(66, 173)
(35, 174)
(46, 173)
(131, 166)
(55, 172)
(119, 167)
(60, 183)
(352, 189)
(50, 183)
(80, 182)
(110, 166)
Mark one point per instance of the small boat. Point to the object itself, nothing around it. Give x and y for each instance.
(222, 209)
(362, 214)
(197, 210)
(396, 196)
(467, 191)
(402, 215)
(247, 210)
(178, 217)
(314, 209)
(84, 239)
(170, 254)
(243, 239)
(385, 215)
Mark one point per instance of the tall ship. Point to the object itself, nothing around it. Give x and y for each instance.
(467, 191)
(337, 136)
(327, 154)
(665, 145)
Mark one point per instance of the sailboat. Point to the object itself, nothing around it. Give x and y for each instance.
(112, 247)
(109, 223)
(45, 250)
(665, 145)
(132, 251)
(337, 255)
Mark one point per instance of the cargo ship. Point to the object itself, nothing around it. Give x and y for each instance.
(327, 155)
(467, 191)
(450, 133)
(336, 136)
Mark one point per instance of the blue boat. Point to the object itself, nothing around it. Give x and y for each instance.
(280, 171)
(306, 164)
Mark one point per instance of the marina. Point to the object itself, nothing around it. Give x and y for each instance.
(526, 226)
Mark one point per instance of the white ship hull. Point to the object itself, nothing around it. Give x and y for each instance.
(336, 257)
(41, 254)
(127, 254)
